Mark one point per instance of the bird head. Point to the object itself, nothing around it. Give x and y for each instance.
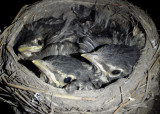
(112, 62)
(32, 45)
(55, 72)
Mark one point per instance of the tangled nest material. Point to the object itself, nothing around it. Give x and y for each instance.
(26, 93)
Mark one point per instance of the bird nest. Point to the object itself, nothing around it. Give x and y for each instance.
(25, 92)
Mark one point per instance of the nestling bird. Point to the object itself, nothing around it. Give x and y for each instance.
(33, 36)
(62, 48)
(104, 41)
(112, 62)
(33, 46)
(98, 26)
(63, 70)
(46, 37)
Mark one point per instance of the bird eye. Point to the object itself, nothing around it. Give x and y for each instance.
(67, 80)
(116, 72)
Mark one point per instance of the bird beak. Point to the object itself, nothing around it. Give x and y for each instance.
(43, 67)
(23, 48)
(88, 57)
(93, 58)
(97, 61)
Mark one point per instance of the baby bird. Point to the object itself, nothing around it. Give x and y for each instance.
(31, 46)
(112, 62)
(98, 27)
(33, 36)
(63, 71)
(62, 48)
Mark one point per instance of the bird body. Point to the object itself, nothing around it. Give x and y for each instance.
(34, 36)
(62, 48)
(98, 27)
(112, 62)
(62, 71)
(46, 37)
(111, 47)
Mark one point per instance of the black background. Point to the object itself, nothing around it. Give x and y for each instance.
(10, 8)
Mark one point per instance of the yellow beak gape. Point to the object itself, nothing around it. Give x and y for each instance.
(50, 75)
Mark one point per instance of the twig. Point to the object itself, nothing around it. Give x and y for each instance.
(107, 101)
(121, 105)
(148, 86)
(120, 89)
(52, 111)
(4, 35)
(13, 74)
(1, 53)
(88, 99)
(127, 101)
(26, 102)
(30, 86)
(4, 90)
(4, 100)
(5, 95)
(73, 97)
(139, 84)
(23, 95)
(136, 97)
(157, 60)
(19, 87)
(44, 92)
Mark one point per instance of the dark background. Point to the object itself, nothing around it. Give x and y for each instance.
(10, 8)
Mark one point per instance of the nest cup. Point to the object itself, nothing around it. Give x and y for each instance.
(25, 92)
